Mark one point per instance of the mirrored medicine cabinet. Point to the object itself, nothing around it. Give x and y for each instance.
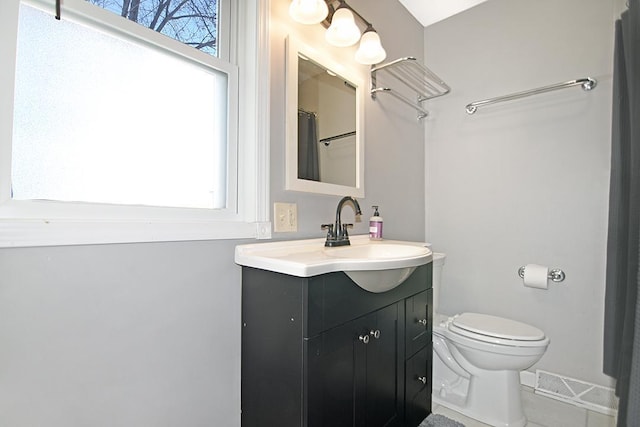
(324, 123)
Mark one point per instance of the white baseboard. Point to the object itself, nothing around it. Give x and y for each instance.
(528, 379)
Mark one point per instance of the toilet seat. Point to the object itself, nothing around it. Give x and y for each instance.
(495, 330)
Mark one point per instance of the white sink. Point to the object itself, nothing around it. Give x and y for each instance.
(376, 266)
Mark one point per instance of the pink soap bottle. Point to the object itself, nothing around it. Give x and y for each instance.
(375, 225)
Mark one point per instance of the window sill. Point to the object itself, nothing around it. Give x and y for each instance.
(30, 233)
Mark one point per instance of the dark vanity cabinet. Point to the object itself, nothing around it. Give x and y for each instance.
(322, 352)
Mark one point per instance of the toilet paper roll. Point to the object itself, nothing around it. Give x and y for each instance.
(536, 276)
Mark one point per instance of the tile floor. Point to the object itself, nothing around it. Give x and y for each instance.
(543, 412)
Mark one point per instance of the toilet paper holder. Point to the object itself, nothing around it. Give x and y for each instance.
(555, 275)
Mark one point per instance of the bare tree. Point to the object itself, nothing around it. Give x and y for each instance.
(192, 22)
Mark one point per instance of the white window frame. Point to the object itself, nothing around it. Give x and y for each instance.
(44, 223)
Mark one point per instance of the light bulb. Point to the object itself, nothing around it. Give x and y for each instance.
(370, 50)
(308, 11)
(343, 30)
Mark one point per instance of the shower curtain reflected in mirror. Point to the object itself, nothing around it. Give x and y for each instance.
(308, 164)
(622, 310)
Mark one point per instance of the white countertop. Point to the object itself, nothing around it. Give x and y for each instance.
(306, 258)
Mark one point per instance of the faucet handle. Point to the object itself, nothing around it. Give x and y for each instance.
(329, 227)
(345, 232)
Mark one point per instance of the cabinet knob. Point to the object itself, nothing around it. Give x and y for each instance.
(422, 322)
(364, 338)
(375, 334)
(423, 380)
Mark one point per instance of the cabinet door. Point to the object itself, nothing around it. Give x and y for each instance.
(384, 367)
(336, 374)
(353, 373)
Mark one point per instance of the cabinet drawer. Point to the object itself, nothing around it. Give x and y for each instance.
(418, 387)
(418, 375)
(418, 408)
(419, 317)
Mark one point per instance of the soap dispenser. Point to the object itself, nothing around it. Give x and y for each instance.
(375, 225)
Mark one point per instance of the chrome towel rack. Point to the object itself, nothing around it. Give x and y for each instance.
(408, 71)
(422, 113)
(327, 141)
(586, 83)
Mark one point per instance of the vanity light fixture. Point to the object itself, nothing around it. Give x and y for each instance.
(342, 30)
(370, 50)
(308, 11)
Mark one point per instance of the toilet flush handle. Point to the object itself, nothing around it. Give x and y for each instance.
(422, 322)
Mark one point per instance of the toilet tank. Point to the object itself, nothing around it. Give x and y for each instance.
(438, 263)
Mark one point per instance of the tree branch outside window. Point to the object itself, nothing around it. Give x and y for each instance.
(192, 22)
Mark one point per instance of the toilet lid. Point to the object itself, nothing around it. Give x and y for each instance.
(493, 326)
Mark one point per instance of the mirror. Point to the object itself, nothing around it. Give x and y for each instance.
(324, 117)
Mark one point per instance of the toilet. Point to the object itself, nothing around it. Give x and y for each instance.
(477, 359)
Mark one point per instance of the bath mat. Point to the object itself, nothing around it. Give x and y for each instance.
(437, 420)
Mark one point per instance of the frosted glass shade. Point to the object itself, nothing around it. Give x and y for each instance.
(308, 11)
(370, 50)
(343, 30)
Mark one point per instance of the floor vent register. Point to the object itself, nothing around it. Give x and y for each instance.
(576, 392)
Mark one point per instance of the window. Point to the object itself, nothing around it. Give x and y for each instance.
(117, 122)
(125, 124)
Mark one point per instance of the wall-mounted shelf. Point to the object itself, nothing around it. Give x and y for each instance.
(418, 78)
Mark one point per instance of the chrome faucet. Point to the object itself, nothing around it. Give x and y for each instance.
(337, 234)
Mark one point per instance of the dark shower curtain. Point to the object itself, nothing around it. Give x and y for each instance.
(308, 164)
(622, 307)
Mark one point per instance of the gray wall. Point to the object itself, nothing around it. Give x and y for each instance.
(394, 157)
(524, 181)
(120, 335)
(149, 334)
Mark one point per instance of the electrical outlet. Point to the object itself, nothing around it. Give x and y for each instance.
(285, 217)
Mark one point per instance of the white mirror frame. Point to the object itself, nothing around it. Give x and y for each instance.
(292, 182)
